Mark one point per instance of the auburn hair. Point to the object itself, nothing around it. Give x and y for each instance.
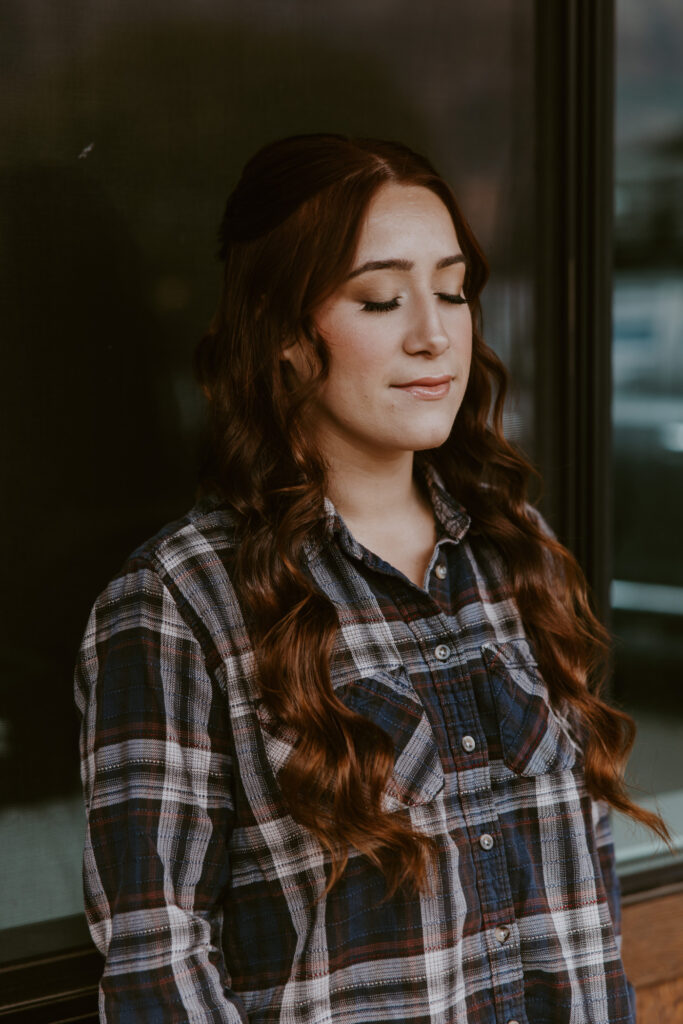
(287, 239)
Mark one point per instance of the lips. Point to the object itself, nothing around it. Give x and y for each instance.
(426, 382)
(427, 387)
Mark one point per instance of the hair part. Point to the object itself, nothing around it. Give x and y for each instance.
(287, 239)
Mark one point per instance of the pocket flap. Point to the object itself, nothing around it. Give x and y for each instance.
(387, 699)
(533, 736)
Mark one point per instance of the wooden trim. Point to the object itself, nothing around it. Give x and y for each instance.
(653, 956)
(653, 940)
(660, 1004)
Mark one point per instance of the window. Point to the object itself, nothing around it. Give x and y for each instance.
(123, 130)
(647, 415)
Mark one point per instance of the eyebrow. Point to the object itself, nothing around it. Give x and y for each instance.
(447, 261)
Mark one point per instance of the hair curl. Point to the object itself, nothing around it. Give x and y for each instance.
(287, 239)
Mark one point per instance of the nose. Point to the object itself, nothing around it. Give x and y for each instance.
(426, 334)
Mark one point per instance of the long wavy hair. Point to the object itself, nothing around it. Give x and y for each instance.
(287, 240)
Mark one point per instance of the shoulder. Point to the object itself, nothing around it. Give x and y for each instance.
(171, 613)
(208, 530)
(177, 574)
(194, 542)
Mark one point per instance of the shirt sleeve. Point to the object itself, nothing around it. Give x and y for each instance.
(605, 845)
(156, 771)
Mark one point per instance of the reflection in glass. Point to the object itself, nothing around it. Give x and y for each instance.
(123, 130)
(647, 590)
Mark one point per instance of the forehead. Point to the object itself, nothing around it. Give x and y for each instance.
(401, 217)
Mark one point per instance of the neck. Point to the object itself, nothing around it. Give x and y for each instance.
(373, 491)
(386, 511)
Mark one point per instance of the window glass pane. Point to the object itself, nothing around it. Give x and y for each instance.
(647, 590)
(124, 127)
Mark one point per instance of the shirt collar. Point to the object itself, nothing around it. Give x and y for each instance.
(451, 516)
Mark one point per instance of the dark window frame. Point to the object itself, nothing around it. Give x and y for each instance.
(574, 179)
(575, 75)
(49, 973)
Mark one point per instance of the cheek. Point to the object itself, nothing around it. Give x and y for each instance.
(357, 357)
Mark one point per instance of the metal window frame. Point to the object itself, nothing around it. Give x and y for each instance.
(574, 178)
(575, 75)
(49, 973)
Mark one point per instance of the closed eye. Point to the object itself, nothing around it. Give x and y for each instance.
(380, 307)
(386, 307)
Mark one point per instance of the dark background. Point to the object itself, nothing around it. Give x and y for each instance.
(123, 128)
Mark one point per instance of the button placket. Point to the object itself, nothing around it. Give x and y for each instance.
(448, 660)
(469, 750)
(473, 785)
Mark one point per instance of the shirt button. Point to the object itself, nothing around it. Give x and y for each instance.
(440, 571)
(442, 652)
(468, 743)
(486, 841)
(502, 933)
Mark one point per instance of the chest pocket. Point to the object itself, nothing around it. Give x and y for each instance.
(387, 699)
(535, 738)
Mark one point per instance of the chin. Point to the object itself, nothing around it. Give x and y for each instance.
(433, 437)
(432, 440)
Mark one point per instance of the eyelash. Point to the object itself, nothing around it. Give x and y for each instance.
(386, 307)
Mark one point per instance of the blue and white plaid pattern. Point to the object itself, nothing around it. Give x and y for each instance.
(206, 896)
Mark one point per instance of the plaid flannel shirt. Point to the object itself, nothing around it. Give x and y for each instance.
(205, 895)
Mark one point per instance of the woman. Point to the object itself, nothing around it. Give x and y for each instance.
(343, 753)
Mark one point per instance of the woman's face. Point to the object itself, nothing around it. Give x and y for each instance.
(398, 333)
